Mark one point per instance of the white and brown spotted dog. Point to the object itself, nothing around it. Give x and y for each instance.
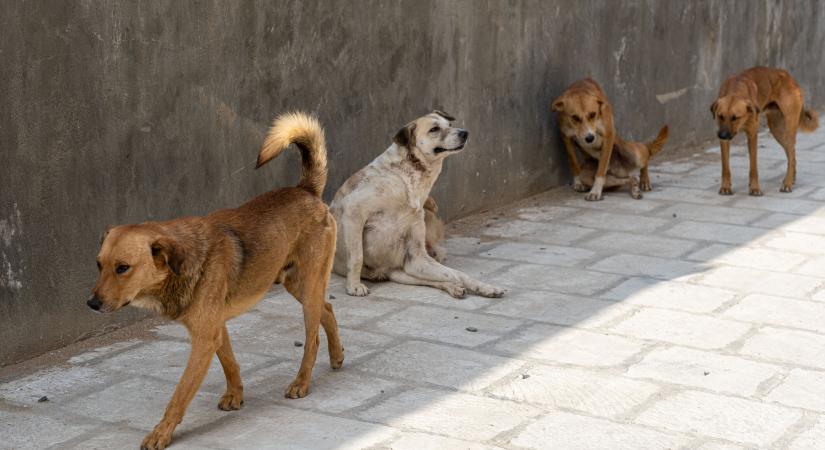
(380, 212)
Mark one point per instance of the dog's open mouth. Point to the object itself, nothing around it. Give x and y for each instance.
(442, 149)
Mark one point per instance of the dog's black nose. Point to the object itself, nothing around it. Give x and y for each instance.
(589, 138)
(94, 303)
(725, 135)
(463, 134)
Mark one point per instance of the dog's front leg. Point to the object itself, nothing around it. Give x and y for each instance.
(574, 163)
(726, 188)
(753, 173)
(601, 173)
(204, 345)
(352, 231)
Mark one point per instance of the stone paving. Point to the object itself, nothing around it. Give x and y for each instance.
(686, 320)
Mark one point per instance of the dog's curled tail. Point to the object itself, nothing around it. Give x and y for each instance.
(305, 132)
(808, 120)
(655, 146)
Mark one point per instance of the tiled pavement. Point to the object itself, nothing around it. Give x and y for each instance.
(685, 320)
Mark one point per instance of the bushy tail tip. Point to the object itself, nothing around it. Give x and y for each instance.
(307, 134)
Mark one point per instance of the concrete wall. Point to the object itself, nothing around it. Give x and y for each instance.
(114, 112)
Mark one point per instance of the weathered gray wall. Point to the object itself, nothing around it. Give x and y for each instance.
(114, 112)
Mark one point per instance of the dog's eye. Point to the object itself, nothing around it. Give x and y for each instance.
(121, 268)
(591, 115)
(577, 119)
(721, 116)
(732, 118)
(435, 129)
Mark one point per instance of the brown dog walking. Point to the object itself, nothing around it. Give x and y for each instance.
(202, 271)
(741, 98)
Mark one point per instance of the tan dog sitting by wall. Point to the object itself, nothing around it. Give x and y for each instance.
(382, 213)
(586, 123)
(741, 98)
(203, 271)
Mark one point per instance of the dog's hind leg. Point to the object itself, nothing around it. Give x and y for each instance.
(419, 264)
(311, 295)
(454, 289)
(633, 184)
(336, 349)
(422, 266)
(308, 284)
(644, 180)
(233, 397)
(783, 124)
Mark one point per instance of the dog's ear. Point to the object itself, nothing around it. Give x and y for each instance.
(557, 105)
(167, 251)
(601, 105)
(444, 115)
(105, 233)
(405, 136)
(713, 108)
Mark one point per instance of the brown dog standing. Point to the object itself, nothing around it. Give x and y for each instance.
(202, 271)
(741, 98)
(586, 122)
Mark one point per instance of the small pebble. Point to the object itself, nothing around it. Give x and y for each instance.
(455, 317)
(298, 343)
(331, 297)
(674, 214)
(707, 373)
(525, 376)
(542, 248)
(472, 329)
(43, 399)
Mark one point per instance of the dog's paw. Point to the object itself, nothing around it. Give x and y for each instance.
(756, 192)
(231, 401)
(725, 190)
(358, 290)
(646, 186)
(158, 439)
(579, 187)
(455, 290)
(636, 194)
(593, 196)
(488, 290)
(298, 389)
(786, 188)
(336, 359)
